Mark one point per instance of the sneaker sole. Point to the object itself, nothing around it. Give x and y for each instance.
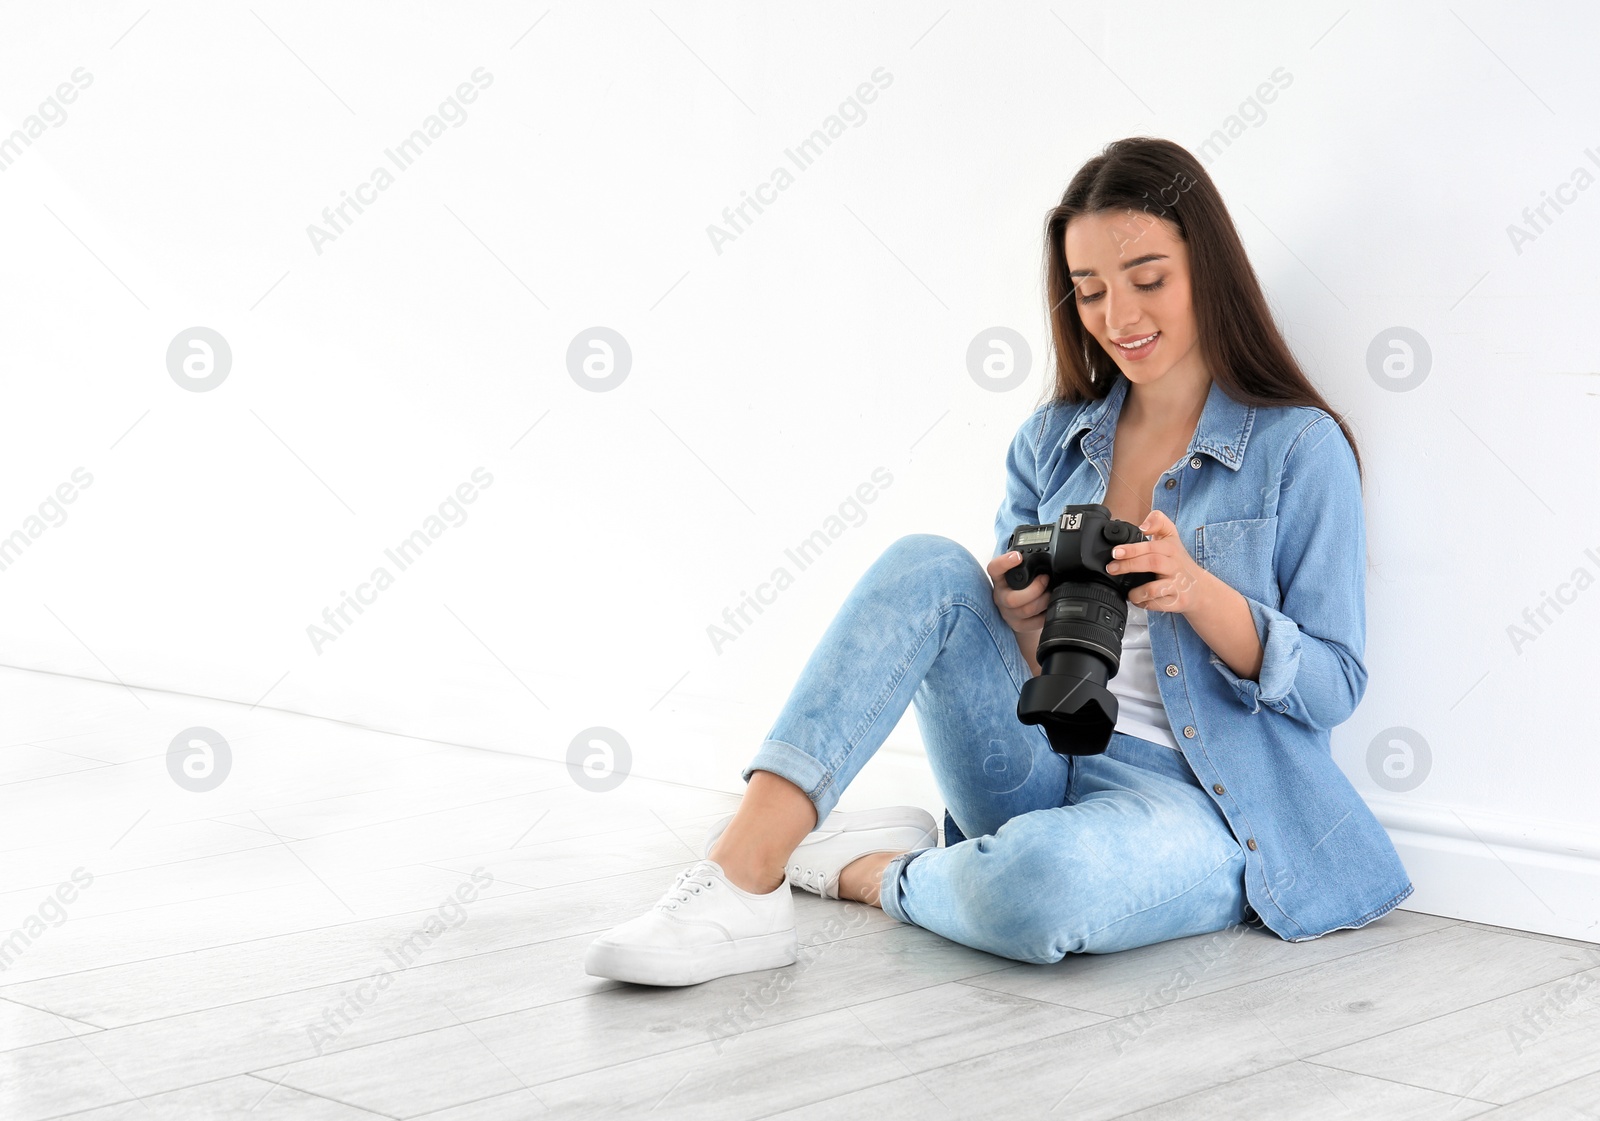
(643, 966)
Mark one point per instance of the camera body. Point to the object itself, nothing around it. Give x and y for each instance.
(1080, 646)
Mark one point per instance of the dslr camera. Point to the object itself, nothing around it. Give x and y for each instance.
(1080, 648)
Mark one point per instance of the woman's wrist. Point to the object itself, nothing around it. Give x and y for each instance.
(1028, 647)
(1221, 617)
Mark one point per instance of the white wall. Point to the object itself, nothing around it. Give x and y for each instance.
(770, 379)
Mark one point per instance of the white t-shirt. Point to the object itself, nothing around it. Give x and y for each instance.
(1140, 712)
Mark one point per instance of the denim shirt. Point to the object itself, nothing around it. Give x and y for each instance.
(1269, 501)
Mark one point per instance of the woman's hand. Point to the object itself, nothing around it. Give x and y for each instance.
(1164, 554)
(1021, 608)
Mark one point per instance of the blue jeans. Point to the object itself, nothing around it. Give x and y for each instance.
(1049, 854)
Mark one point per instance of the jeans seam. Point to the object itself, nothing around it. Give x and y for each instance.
(1000, 648)
(897, 675)
(953, 600)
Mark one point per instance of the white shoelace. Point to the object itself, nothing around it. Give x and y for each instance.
(691, 881)
(811, 879)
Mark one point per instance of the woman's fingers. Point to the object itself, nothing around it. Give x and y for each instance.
(1019, 607)
(1024, 614)
(1028, 610)
(999, 566)
(1005, 595)
(1019, 597)
(1159, 563)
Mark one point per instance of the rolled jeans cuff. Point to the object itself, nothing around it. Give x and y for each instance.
(799, 767)
(889, 886)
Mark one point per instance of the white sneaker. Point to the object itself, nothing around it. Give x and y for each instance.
(702, 927)
(841, 838)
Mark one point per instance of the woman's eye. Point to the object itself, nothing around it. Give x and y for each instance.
(1092, 297)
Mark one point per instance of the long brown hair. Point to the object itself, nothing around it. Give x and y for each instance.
(1242, 347)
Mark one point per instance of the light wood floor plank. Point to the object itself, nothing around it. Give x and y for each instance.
(339, 953)
(21, 1026)
(1106, 1069)
(156, 1055)
(790, 1065)
(903, 1099)
(1500, 1050)
(242, 1098)
(1400, 984)
(1184, 968)
(1310, 1093)
(623, 1023)
(1576, 1100)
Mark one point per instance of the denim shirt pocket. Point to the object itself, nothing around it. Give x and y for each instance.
(1239, 553)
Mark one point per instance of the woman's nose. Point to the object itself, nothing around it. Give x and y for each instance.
(1122, 313)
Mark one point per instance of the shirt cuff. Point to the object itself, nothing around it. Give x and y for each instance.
(1280, 660)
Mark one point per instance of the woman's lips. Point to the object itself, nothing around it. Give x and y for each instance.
(1142, 351)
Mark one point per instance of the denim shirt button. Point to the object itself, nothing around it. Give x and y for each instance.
(1172, 671)
(1252, 843)
(1219, 788)
(1171, 483)
(1194, 461)
(1188, 731)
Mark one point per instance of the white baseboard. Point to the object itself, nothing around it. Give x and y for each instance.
(1496, 869)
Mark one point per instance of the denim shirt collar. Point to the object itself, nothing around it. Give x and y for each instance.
(1222, 432)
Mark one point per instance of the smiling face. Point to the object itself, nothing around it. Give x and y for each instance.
(1131, 278)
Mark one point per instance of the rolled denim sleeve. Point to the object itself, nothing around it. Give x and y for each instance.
(1020, 506)
(1314, 641)
(1280, 660)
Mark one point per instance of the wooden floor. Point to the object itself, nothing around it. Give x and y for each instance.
(357, 925)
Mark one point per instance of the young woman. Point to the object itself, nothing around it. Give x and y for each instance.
(1178, 405)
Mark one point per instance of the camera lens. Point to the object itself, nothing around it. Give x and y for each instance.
(1080, 649)
(1087, 617)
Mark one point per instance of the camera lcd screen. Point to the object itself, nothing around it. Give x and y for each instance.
(1034, 537)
